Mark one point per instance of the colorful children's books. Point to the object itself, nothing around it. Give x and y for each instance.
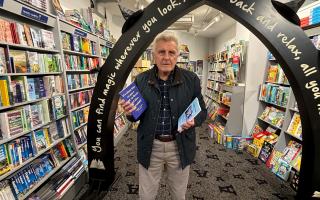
(4, 159)
(265, 151)
(33, 62)
(283, 170)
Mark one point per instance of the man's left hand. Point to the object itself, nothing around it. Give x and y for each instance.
(188, 124)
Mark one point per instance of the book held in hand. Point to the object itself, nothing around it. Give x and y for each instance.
(191, 112)
(132, 94)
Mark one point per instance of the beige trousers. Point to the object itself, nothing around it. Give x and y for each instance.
(164, 157)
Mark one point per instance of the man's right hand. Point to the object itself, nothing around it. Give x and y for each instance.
(127, 106)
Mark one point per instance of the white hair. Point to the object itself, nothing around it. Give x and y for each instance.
(166, 36)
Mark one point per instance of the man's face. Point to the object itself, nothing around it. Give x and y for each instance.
(166, 55)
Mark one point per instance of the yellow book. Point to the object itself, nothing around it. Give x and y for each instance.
(47, 137)
(4, 93)
(86, 46)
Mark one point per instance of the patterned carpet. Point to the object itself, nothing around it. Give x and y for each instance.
(217, 173)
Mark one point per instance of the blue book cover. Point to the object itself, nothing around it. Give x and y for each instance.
(132, 94)
(31, 89)
(191, 112)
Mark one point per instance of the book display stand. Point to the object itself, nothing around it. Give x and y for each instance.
(48, 69)
(225, 92)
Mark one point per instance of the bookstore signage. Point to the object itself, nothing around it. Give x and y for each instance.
(80, 33)
(34, 15)
(287, 42)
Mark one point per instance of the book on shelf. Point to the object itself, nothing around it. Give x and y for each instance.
(21, 34)
(5, 190)
(35, 36)
(6, 98)
(40, 140)
(28, 35)
(15, 121)
(58, 105)
(283, 169)
(273, 159)
(18, 61)
(33, 62)
(265, 151)
(4, 159)
(273, 116)
(291, 151)
(47, 39)
(295, 127)
(3, 61)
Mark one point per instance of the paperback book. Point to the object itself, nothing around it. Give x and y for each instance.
(131, 93)
(192, 111)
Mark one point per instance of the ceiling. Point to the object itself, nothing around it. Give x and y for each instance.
(203, 16)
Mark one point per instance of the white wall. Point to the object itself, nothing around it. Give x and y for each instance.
(218, 43)
(255, 69)
(255, 72)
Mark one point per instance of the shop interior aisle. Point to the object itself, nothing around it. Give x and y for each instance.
(217, 173)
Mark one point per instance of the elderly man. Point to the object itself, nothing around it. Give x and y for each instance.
(168, 91)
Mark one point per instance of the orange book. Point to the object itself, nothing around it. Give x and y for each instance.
(28, 34)
(7, 31)
(2, 32)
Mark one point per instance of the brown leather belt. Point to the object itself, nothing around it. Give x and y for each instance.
(165, 138)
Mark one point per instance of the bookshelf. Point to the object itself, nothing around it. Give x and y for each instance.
(225, 92)
(274, 140)
(34, 91)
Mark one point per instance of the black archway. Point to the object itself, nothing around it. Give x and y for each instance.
(288, 43)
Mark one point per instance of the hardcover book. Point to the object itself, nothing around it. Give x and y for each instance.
(191, 112)
(131, 93)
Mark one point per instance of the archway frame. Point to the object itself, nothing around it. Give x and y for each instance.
(287, 42)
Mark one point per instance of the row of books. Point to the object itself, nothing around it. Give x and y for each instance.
(273, 116)
(77, 81)
(217, 86)
(212, 94)
(276, 75)
(81, 135)
(220, 56)
(29, 176)
(274, 94)
(80, 117)
(80, 98)
(79, 44)
(216, 76)
(18, 33)
(19, 89)
(25, 118)
(59, 184)
(105, 51)
(19, 61)
(295, 127)
(74, 62)
(217, 66)
(18, 151)
(5, 191)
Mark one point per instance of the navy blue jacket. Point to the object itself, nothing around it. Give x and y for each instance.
(185, 87)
